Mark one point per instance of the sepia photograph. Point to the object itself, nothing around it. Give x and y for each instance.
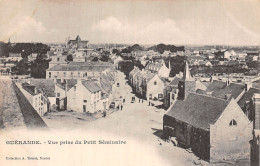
(129, 83)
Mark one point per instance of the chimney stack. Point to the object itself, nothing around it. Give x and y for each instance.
(248, 85)
(35, 90)
(256, 109)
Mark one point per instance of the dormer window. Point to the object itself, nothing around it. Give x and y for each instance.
(233, 123)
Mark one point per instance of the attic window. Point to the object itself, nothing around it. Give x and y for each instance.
(232, 123)
(155, 83)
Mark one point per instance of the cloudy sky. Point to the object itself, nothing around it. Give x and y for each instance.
(145, 22)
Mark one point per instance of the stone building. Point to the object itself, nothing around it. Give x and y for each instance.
(214, 129)
(77, 44)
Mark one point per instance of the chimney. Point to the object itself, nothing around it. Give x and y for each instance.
(256, 109)
(227, 82)
(35, 90)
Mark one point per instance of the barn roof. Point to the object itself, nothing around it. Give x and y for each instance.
(198, 110)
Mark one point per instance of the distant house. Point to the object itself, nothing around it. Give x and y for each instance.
(58, 60)
(79, 56)
(208, 63)
(78, 44)
(155, 88)
(14, 57)
(75, 70)
(117, 60)
(211, 56)
(159, 68)
(32, 57)
(170, 92)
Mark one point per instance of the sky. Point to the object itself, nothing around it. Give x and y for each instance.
(179, 22)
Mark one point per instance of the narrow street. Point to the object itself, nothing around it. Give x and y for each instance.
(142, 123)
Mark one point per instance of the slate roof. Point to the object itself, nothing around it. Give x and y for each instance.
(234, 89)
(77, 68)
(98, 63)
(198, 110)
(91, 86)
(216, 85)
(30, 89)
(70, 83)
(45, 85)
(247, 96)
(175, 81)
(154, 66)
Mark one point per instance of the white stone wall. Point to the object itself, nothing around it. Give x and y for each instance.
(230, 142)
(154, 89)
(164, 71)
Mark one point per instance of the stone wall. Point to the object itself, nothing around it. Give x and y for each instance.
(230, 142)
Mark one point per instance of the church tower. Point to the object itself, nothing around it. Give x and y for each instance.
(187, 84)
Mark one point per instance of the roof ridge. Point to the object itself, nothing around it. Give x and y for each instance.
(208, 96)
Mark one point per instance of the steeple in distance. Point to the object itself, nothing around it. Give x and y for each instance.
(186, 75)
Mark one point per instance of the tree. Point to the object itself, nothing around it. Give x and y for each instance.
(69, 57)
(95, 59)
(39, 67)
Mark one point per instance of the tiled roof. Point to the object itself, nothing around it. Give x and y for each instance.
(91, 86)
(247, 96)
(198, 110)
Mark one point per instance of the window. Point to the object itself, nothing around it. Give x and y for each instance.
(35, 102)
(85, 101)
(78, 74)
(58, 94)
(155, 83)
(64, 74)
(232, 123)
(58, 59)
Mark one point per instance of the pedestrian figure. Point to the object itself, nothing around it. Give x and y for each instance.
(142, 100)
(121, 107)
(149, 102)
(123, 100)
(139, 100)
(104, 114)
